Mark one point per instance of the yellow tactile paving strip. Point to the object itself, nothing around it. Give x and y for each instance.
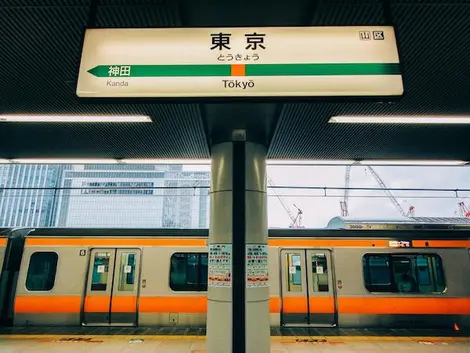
(286, 339)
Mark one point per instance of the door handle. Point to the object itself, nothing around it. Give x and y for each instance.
(144, 283)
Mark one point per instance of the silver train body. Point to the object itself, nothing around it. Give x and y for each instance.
(317, 277)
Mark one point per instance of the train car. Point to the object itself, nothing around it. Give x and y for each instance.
(11, 250)
(318, 277)
(3, 245)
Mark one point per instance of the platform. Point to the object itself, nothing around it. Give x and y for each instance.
(192, 340)
(191, 344)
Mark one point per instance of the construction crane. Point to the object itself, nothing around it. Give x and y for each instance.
(411, 212)
(344, 203)
(464, 211)
(298, 218)
(295, 221)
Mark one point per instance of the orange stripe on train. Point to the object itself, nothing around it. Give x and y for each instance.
(272, 242)
(441, 243)
(390, 305)
(173, 304)
(97, 304)
(48, 304)
(59, 304)
(124, 304)
(298, 305)
(114, 242)
(404, 306)
(198, 304)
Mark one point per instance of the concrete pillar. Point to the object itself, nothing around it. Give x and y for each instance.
(238, 310)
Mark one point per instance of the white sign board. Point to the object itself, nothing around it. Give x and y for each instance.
(234, 62)
(257, 269)
(220, 265)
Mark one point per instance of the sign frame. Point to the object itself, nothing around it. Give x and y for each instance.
(239, 99)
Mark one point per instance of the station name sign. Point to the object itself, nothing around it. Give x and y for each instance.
(240, 62)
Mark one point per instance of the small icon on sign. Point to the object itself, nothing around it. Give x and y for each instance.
(364, 35)
(82, 252)
(378, 35)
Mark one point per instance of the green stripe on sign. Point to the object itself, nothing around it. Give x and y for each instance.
(321, 69)
(224, 70)
(162, 70)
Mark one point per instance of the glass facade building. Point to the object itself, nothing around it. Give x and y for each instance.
(126, 196)
(29, 195)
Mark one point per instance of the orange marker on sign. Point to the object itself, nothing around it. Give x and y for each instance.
(237, 70)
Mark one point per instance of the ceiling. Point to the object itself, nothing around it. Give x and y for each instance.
(40, 45)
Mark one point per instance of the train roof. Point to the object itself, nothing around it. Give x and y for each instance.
(402, 223)
(273, 233)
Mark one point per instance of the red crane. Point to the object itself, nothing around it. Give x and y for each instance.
(464, 211)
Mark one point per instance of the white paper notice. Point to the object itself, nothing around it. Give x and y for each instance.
(100, 269)
(296, 260)
(127, 269)
(292, 270)
(220, 265)
(319, 270)
(257, 270)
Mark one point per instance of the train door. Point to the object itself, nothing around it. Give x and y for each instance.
(308, 297)
(112, 287)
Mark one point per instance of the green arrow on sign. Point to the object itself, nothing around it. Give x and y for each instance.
(342, 69)
(161, 70)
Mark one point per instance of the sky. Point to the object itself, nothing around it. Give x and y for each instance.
(318, 210)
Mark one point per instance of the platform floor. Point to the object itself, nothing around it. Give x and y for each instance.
(188, 344)
(193, 340)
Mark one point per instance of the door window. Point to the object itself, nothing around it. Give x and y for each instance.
(294, 270)
(100, 271)
(319, 272)
(127, 272)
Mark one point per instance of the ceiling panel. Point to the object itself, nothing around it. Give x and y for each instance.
(40, 44)
(434, 50)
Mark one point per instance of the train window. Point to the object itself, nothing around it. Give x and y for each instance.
(99, 280)
(41, 271)
(319, 272)
(127, 272)
(294, 268)
(188, 272)
(403, 273)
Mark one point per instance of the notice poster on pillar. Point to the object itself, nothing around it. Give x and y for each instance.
(220, 265)
(257, 271)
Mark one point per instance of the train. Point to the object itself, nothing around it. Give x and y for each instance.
(350, 274)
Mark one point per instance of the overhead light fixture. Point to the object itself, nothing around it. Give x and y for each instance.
(166, 161)
(4, 161)
(308, 162)
(411, 162)
(400, 120)
(63, 161)
(74, 119)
